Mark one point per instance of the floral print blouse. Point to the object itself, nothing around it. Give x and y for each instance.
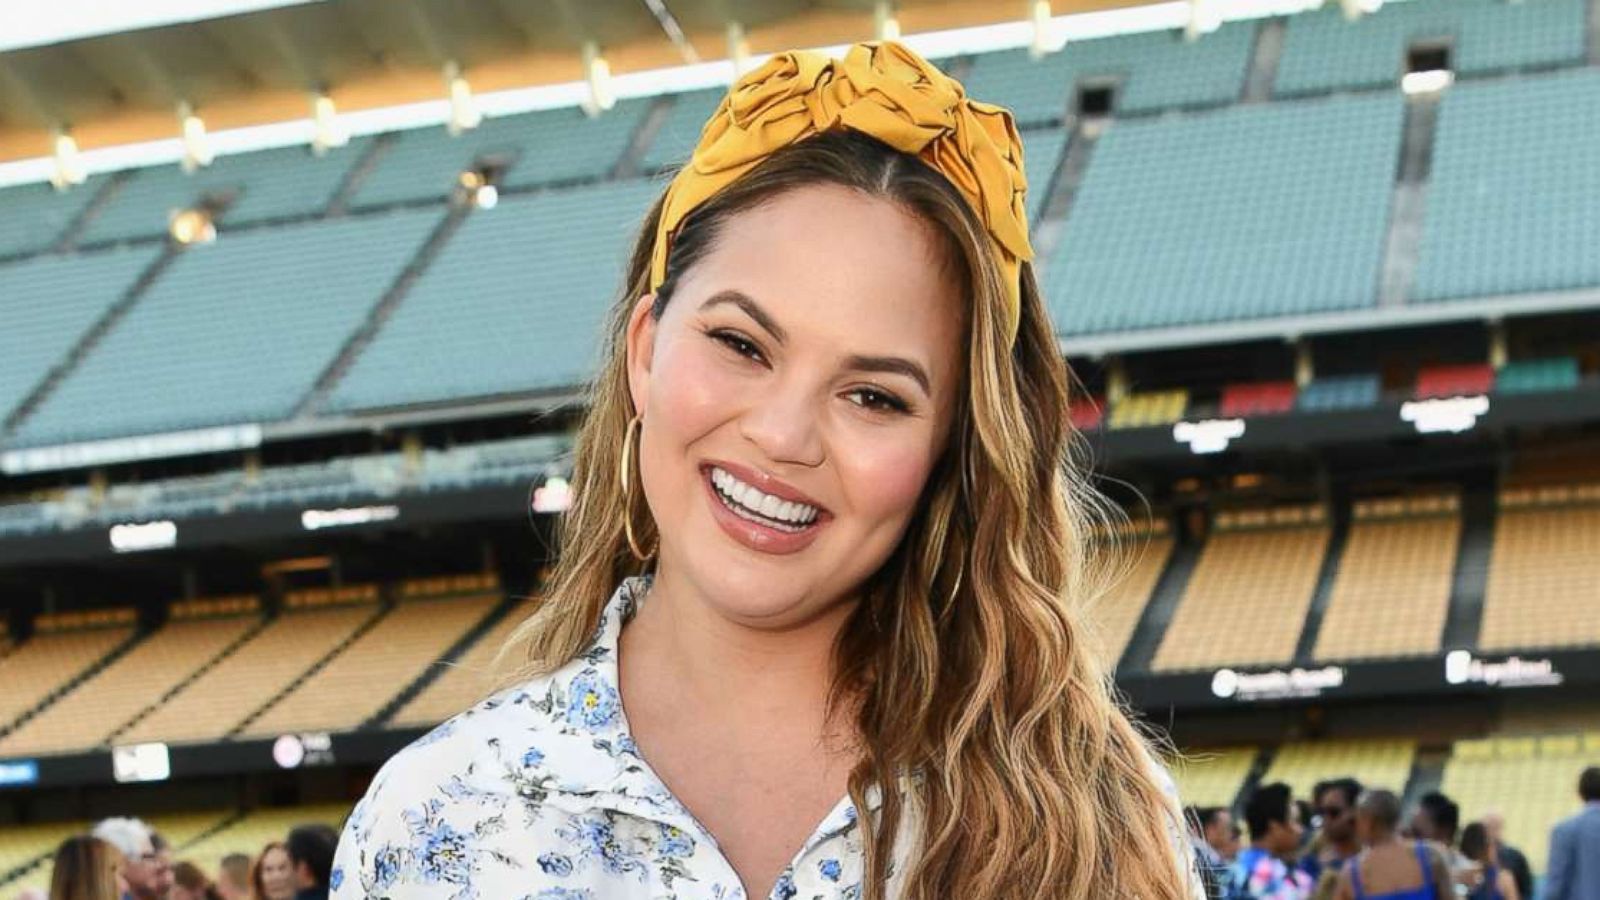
(539, 793)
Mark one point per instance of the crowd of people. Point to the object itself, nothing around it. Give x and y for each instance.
(126, 859)
(1352, 842)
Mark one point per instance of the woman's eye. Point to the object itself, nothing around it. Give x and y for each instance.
(869, 398)
(738, 344)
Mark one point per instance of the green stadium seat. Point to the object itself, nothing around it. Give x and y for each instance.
(35, 216)
(1529, 376)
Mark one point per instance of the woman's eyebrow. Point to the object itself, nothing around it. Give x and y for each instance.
(892, 364)
(751, 308)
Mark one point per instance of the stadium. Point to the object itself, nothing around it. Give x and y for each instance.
(288, 380)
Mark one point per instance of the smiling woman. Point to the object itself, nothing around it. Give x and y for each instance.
(814, 629)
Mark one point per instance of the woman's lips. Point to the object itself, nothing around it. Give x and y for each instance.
(755, 535)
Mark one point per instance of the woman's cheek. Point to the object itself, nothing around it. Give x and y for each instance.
(884, 472)
(696, 391)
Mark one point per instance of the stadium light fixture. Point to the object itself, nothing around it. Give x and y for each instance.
(196, 147)
(68, 167)
(1355, 9)
(328, 131)
(597, 73)
(192, 226)
(1208, 435)
(1204, 18)
(1040, 42)
(486, 197)
(1430, 82)
(885, 26)
(1452, 415)
(464, 112)
(738, 49)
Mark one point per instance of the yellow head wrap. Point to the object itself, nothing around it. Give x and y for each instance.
(881, 89)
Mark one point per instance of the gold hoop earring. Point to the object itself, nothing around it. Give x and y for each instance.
(624, 477)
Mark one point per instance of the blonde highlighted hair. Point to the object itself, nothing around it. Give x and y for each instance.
(966, 659)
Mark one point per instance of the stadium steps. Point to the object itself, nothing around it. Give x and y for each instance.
(383, 610)
(391, 299)
(102, 326)
(631, 163)
(373, 154)
(431, 673)
(1068, 177)
(1427, 774)
(1158, 612)
(71, 684)
(1264, 59)
(1467, 586)
(183, 685)
(1403, 244)
(75, 229)
(1337, 535)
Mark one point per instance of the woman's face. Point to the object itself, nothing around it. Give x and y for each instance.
(277, 879)
(808, 365)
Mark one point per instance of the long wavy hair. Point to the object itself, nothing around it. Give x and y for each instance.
(966, 660)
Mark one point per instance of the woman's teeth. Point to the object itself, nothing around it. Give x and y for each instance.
(751, 503)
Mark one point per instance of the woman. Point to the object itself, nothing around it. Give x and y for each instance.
(1391, 867)
(1489, 880)
(87, 868)
(272, 877)
(831, 426)
(190, 883)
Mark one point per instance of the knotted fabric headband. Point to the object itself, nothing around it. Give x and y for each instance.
(881, 89)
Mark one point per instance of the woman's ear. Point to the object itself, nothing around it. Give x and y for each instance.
(640, 342)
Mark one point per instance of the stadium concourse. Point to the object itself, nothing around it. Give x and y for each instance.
(282, 439)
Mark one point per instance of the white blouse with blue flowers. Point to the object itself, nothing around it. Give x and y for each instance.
(539, 793)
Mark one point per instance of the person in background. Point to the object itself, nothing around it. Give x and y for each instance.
(1208, 828)
(1574, 869)
(272, 877)
(1336, 809)
(190, 883)
(1510, 857)
(1438, 819)
(164, 880)
(146, 872)
(1235, 843)
(1487, 879)
(1390, 867)
(1262, 871)
(87, 868)
(233, 877)
(311, 858)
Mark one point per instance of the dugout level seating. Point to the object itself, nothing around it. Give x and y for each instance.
(1246, 602)
(1115, 615)
(1147, 409)
(316, 623)
(1212, 777)
(88, 715)
(1379, 763)
(63, 647)
(1531, 780)
(1544, 574)
(249, 832)
(463, 682)
(357, 683)
(1392, 591)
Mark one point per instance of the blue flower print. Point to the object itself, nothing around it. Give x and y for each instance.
(336, 878)
(556, 864)
(591, 701)
(387, 864)
(785, 889)
(675, 843)
(559, 893)
(533, 757)
(597, 840)
(444, 856)
(830, 869)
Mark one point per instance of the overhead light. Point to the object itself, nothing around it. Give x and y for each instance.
(68, 169)
(464, 112)
(1355, 9)
(597, 72)
(885, 27)
(1039, 17)
(486, 197)
(1208, 435)
(329, 132)
(1451, 415)
(1204, 18)
(738, 49)
(196, 148)
(192, 226)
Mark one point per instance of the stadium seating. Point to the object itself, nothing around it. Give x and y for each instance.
(1323, 51)
(226, 695)
(258, 316)
(38, 215)
(1377, 763)
(1528, 376)
(1392, 591)
(1041, 156)
(464, 682)
(1270, 210)
(1087, 413)
(1339, 392)
(1212, 777)
(542, 148)
(1513, 197)
(87, 716)
(59, 652)
(49, 303)
(680, 129)
(252, 831)
(1454, 380)
(1543, 570)
(374, 668)
(1246, 601)
(513, 303)
(1530, 780)
(266, 185)
(1115, 615)
(1154, 70)
(1148, 409)
(1263, 398)
(22, 847)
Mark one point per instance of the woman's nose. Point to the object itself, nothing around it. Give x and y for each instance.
(783, 424)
